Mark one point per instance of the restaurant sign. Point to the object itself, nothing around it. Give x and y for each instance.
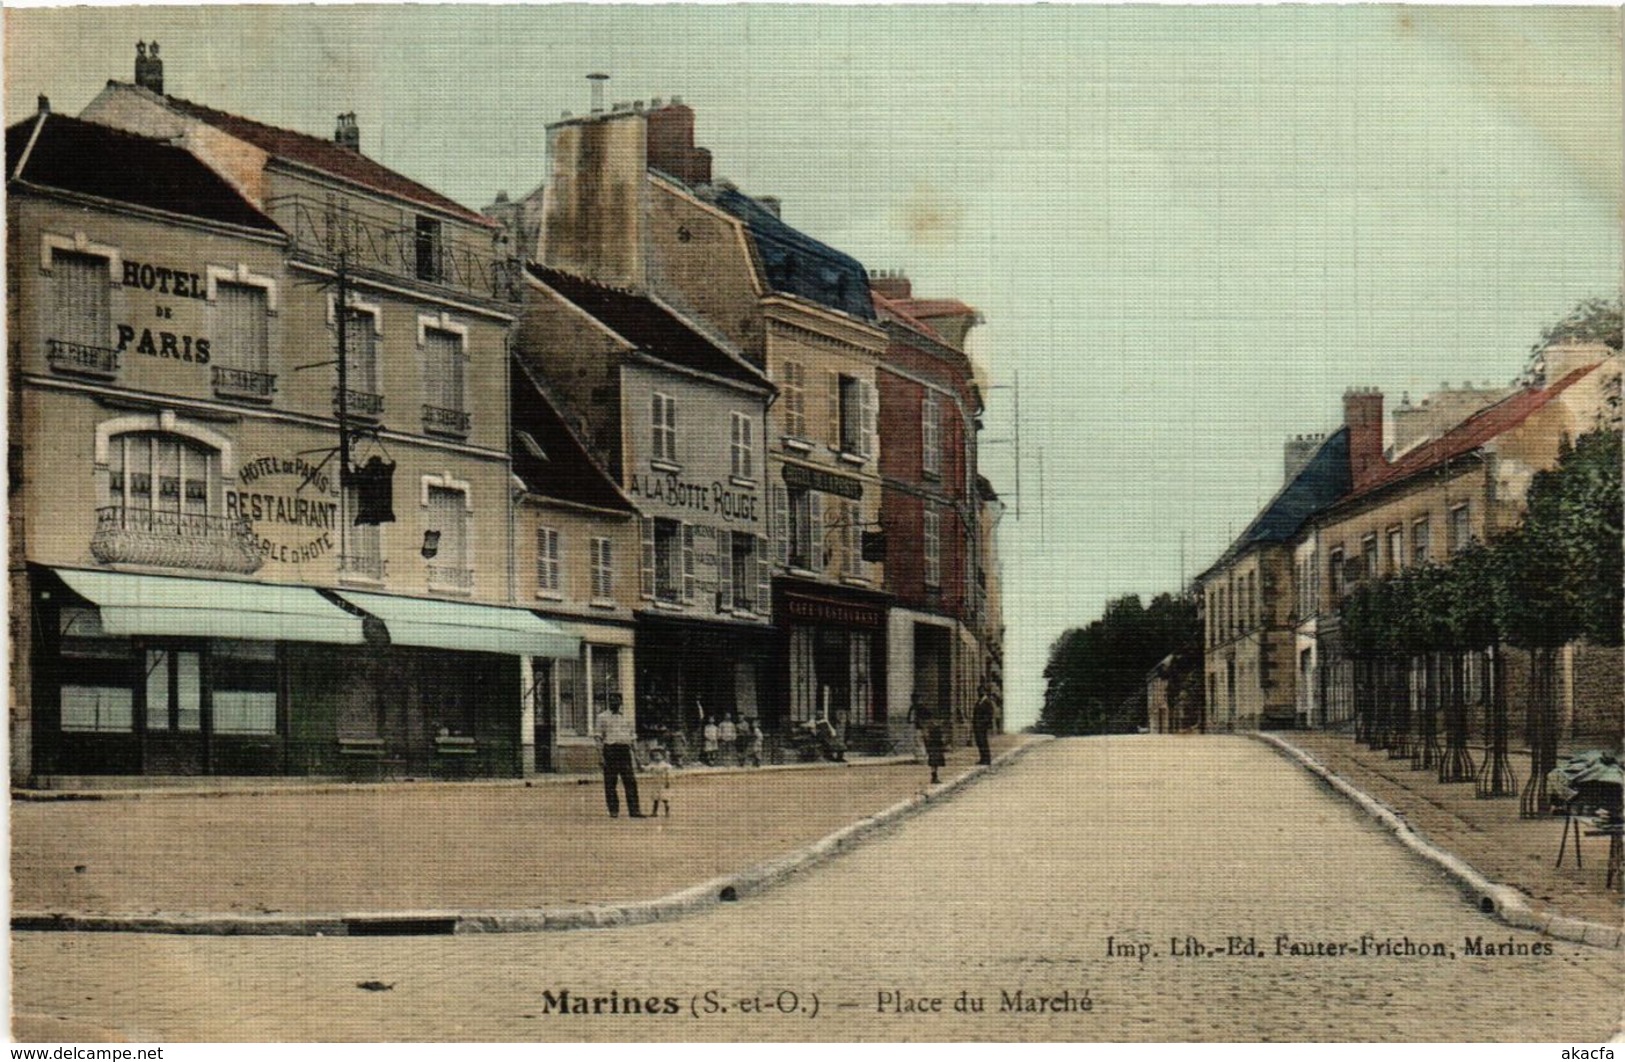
(290, 507)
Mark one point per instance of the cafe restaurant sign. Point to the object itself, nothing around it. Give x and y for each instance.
(289, 503)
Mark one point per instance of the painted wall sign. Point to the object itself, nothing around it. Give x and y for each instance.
(294, 517)
(734, 506)
(803, 478)
(164, 280)
(164, 344)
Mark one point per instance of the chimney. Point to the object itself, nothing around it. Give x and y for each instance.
(890, 284)
(1299, 449)
(670, 145)
(149, 69)
(1362, 415)
(770, 203)
(348, 134)
(44, 104)
(597, 81)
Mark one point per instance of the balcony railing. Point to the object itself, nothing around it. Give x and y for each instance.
(438, 420)
(127, 535)
(457, 256)
(446, 577)
(243, 383)
(370, 568)
(81, 359)
(363, 404)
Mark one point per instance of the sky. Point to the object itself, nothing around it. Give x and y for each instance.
(1189, 229)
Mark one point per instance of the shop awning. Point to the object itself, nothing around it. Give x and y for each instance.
(159, 604)
(468, 628)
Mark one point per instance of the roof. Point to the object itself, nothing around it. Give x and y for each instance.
(650, 327)
(1472, 433)
(895, 310)
(1324, 479)
(797, 264)
(78, 156)
(563, 470)
(326, 156)
(926, 309)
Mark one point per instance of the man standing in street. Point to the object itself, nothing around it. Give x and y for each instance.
(615, 737)
(981, 721)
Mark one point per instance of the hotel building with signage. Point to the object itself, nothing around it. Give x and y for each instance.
(191, 591)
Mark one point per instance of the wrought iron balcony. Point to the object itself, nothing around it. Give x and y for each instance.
(446, 577)
(81, 359)
(126, 535)
(363, 404)
(370, 568)
(440, 421)
(243, 383)
(455, 255)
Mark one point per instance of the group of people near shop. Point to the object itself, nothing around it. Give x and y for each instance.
(725, 742)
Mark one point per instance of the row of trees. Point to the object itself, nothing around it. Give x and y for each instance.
(1095, 678)
(1556, 578)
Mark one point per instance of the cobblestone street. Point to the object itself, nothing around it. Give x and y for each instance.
(1160, 850)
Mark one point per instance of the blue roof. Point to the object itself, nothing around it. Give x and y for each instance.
(1322, 481)
(797, 264)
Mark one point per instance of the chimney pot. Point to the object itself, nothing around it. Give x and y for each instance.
(44, 104)
(597, 82)
(149, 69)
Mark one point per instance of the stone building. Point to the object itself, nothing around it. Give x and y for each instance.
(930, 407)
(197, 595)
(1466, 485)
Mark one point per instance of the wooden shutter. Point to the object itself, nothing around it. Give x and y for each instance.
(781, 523)
(725, 579)
(764, 573)
(646, 582)
(82, 285)
(241, 331)
(834, 381)
(816, 556)
(688, 562)
(866, 402)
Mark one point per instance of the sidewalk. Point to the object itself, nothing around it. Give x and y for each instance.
(1487, 834)
(433, 845)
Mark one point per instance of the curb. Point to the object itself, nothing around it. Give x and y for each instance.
(1492, 898)
(724, 889)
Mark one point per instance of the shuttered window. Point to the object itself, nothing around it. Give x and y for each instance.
(930, 434)
(449, 516)
(548, 578)
(603, 570)
(932, 537)
(443, 366)
(794, 394)
(81, 299)
(242, 335)
(361, 351)
(742, 446)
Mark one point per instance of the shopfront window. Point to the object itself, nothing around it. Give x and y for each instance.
(243, 694)
(606, 677)
(96, 692)
(572, 700)
(174, 687)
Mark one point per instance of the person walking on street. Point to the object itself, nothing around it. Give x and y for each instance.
(981, 721)
(919, 723)
(616, 734)
(710, 740)
(930, 728)
(728, 737)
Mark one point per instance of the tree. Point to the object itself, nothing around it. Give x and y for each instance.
(1095, 677)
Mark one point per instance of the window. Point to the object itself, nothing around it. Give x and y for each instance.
(95, 695)
(738, 576)
(81, 299)
(1461, 528)
(1396, 549)
(548, 579)
(363, 553)
(429, 256)
(849, 539)
(668, 555)
(794, 394)
(449, 568)
(174, 687)
(361, 362)
(151, 473)
(663, 418)
(932, 536)
(1419, 541)
(1371, 567)
(571, 696)
(242, 340)
(605, 673)
(930, 434)
(243, 695)
(741, 448)
(443, 411)
(851, 414)
(603, 569)
(1334, 564)
(798, 515)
